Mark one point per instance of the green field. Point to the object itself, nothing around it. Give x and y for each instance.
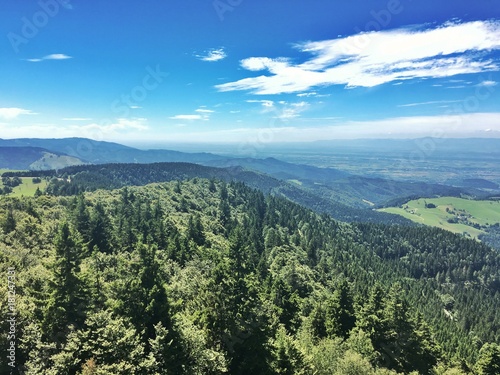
(469, 217)
(27, 188)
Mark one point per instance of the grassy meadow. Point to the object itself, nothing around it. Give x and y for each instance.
(458, 215)
(26, 189)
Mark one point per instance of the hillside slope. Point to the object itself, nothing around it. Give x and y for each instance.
(100, 152)
(205, 277)
(327, 184)
(78, 179)
(34, 158)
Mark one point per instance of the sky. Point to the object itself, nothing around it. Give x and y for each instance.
(249, 70)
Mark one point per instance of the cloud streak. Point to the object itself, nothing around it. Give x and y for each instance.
(12, 113)
(201, 114)
(212, 55)
(429, 103)
(375, 58)
(442, 126)
(187, 117)
(54, 56)
(117, 129)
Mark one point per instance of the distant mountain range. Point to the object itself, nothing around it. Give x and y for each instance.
(35, 158)
(319, 184)
(99, 152)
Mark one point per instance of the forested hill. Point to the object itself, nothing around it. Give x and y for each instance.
(85, 178)
(99, 152)
(34, 158)
(206, 277)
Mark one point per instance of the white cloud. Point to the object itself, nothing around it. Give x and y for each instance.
(307, 94)
(116, 129)
(443, 126)
(375, 58)
(212, 55)
(260, 63)
(265, 103)
(121, 124)
(12, 113)
(54, 56)
(293, 110)
(187, 117)
(281, 109)
(487, 83)
(428, 103)
(202, 114)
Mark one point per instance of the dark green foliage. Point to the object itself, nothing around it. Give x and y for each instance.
(489, 359)
(82, 218)
(11, 182)
(492, 236)
(211, 277)
(339, 312)
(84, 178)
(9, 223)
(99, 229)
(67, 300)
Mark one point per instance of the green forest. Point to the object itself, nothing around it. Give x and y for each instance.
(205, 276)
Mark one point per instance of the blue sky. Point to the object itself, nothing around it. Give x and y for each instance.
(239, 70)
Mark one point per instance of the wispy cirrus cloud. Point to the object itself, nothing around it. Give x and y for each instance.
(202, 113)
(282, 110)
(120, 125)
(487, 83)
(115, 129)
(429, 103)
(212, 55)
(13, 112)
(385, 56)
(187, 117)
(54, 56)
(264, 103)
(442, 126)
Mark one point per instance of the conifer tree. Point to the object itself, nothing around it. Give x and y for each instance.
(489, 359)
(82, 218)
(339, 312)
(66, 305)
(100, 229)
(10, 223)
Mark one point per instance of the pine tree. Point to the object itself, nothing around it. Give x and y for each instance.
(82, 218)
(489, 360)
(287, 358)
(66, 305)
(143, 298)
(100, 230)
(339, 312)
(9, 225)
(195, 230)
